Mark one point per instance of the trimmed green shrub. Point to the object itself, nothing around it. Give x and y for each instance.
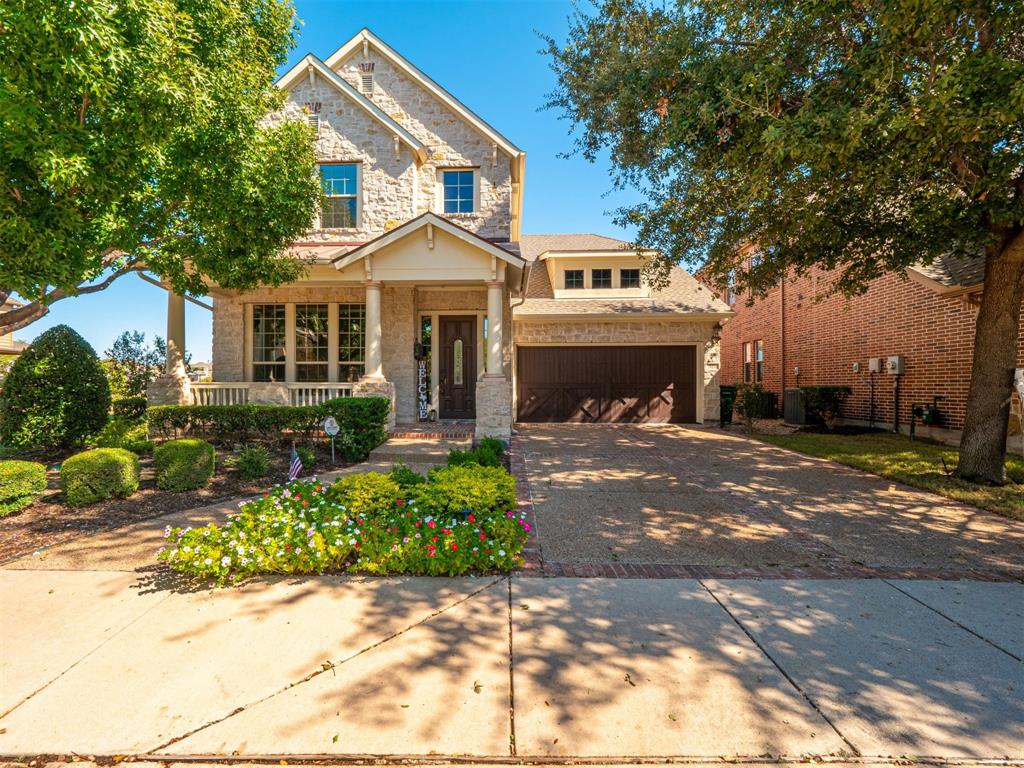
(362, 423)
(307, 456)
(452, 490)
(300, 528)
(407, 479)
(55, 395)
(184, 465)
(823, 403)
(252, 462)
(487, 454)
(20, 483)
(129, 407)
(365, 493)
(130, 434)
(99, 474)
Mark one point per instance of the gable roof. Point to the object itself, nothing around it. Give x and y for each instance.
(342, 85)
(424, 219)
(535, 246)
(400, 62)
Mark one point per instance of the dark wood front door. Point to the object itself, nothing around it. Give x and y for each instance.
(606, 384)
(457, 367)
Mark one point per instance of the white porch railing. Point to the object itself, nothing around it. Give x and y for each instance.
(314, 394)
(219, 393)
(238, 392)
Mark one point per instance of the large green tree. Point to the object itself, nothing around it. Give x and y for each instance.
(856, 136)
(133, 136)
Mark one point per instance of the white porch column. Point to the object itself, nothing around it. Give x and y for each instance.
(174, 365)
(374, 354)
(495, 359)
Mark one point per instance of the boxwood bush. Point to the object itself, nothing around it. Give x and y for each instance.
(99, 474)
(55, 395)
(362, 422)
(184, 465)
(20, 483)
(252, 462)
(823, 403)
(130, 434)
(363, 523)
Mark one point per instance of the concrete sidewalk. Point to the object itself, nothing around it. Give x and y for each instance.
(108, 660)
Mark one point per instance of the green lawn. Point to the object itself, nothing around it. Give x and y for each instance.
(917, 463)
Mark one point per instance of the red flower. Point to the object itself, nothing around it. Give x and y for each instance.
(431, 524)
(399, 502)
(454, 546)
(288, 546)
(482, 537)
(305, 503)
(434, 539)
(471, 518)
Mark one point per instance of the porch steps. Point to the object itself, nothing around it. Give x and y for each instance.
(422, 451)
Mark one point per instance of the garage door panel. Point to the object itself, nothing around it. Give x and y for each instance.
(606, 384)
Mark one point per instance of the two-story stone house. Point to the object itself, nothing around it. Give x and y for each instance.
(422, 286)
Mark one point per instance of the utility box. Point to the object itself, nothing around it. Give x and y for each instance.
(894, 365)
(874, 365)
(793, 407)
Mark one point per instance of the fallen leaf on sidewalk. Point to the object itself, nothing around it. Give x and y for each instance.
(629, 680)
(671, 717)
(477, 687)
(335, 739)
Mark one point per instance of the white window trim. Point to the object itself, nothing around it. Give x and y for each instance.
(359, 194)
(439, 191)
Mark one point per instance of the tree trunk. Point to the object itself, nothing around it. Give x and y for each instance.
(983, 444)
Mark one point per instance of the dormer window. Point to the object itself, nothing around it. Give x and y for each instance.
(574, 278)
(600, 278)
(629, 278)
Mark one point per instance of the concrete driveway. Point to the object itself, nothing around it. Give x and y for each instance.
(672, 500)
(105, 654)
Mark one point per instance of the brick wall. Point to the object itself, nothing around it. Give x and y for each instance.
(824, 337)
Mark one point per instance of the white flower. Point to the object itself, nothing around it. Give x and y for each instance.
(351, 542)
(225, 561)
(501, 553)
(208, 561)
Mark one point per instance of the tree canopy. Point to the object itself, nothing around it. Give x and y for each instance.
(133, 135)
(862, 136)
(855, 137)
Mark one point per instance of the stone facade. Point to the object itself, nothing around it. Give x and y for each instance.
(494, 407)
(394, 187)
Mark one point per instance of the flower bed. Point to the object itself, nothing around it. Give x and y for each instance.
(460, 520)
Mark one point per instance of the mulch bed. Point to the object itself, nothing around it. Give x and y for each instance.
(48, 521)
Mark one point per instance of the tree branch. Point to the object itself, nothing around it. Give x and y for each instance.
(27, 314)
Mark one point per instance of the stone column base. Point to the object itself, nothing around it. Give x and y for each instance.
(366, 387)
(169, 389)
(494, 407)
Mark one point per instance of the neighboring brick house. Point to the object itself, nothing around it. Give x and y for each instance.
(422, 287)
(926, 316)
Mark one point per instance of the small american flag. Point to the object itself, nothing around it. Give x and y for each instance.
(295, 468)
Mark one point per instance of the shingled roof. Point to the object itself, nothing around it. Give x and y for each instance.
(683, 294)
(954, 272)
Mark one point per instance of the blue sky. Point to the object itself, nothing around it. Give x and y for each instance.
(485, 52)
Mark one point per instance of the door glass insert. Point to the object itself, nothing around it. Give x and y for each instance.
(457, 363)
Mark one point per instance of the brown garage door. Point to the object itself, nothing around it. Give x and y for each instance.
(608, 384)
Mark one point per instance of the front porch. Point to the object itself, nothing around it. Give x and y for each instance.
(417, 315)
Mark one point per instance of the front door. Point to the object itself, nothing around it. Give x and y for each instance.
(457, 367)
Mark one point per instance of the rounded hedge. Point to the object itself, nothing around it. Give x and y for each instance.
(184, 465)
(55, 394)
(99, 474)
(20, 483)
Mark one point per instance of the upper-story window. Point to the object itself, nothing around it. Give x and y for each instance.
(340, 205)
(600, 278)
(629, 278)
(574, 278)
(459, 191)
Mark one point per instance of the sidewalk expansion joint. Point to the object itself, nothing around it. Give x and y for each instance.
(778, 666)
(102, 643)
(328, 667)
(954, 621)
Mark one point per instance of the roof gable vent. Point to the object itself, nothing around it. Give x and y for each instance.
(366, 78)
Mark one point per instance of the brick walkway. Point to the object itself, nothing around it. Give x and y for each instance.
(825, 521)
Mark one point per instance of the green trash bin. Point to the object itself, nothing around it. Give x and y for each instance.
(727, 398)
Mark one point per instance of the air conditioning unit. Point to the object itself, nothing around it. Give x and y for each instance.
(894, 365)
(875, 364)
